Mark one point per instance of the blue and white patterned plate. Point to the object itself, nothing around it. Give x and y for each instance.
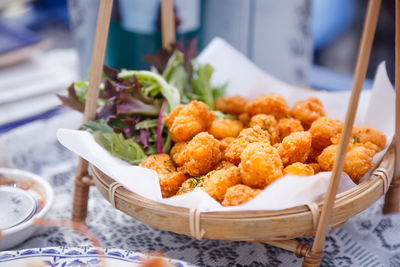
(76, 256)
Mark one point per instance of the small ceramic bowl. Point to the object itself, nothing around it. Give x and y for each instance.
(34, 185)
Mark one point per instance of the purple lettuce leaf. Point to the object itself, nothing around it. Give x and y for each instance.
(160, 60)
(143, 138)
(71, 100)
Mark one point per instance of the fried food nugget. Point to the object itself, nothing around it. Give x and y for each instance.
(221, 129)
(190, 184)
(315, 167)
(287, 126)
(295, 148)
(176, 153)
(269, 104)
(239, 194)
(234, 105)
(246, 136)
(185, 121)
(307, 111)
(260, 165)
(170, 180)
(268, 123)
(200, 155)
(245, 119)
(217, 182)
(358, 160)
(224, 164)
(322, 130)
(224, 143)
(363, 135)
(299, 169)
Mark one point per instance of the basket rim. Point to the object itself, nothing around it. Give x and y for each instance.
(371, 183)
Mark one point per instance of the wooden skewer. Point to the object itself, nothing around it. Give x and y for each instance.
(392, 198)
(167, 23)
(315, 255)
(79, 210)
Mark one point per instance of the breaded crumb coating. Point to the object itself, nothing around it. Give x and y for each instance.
(315, 166)
(295, 148)
(239, 194)
(221, 129)
(358, 162)
(170, 179)
(307, 111)
(190, 184)
(176, 153)
(322, 130)
(224, 164)
(287, 126)
(363, 135)
(299, 169)
(225, 143)
(260, 165)
(245, 119)
(217, 182)
(245, 137)
(267, 123)
(185, 121)
(233, 105)
(200, 155)
(358, 159)
(269, 104)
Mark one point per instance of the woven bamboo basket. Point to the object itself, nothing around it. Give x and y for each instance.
(254, 226)
(275, 227)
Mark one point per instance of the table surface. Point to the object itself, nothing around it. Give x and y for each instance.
(368, 239)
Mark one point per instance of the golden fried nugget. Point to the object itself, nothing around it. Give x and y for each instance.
(307, 111)
(245, 137)
(299, 169)
(322, 130)
(176, 153)
(239, 194)
(221, 129)
(224, 143)
(315, 167)
(260, 165)
(358, 160)
(287, 126)
(269, 104)
(245, 119)
(190, 184)
(217, 182)
(363, 135)
(185, 121)
(170, 180)
(200, 155)
(268, 123)
(234, 105)
(295, 148)
(224, 164)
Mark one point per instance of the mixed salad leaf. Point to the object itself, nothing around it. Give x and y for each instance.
(133, 103)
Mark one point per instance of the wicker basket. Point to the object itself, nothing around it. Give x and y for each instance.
(274, 227)
(251, 226)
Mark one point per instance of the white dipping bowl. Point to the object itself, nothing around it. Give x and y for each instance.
(19, 233)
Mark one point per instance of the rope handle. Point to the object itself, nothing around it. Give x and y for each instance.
(315, 212)
(111, 192)
(194, 224)
(383, 174)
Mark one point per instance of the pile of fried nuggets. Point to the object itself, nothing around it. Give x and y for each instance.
(234, 159)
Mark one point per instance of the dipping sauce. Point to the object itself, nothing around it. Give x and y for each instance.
(18, 202)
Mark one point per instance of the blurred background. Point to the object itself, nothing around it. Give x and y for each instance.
(46, 44)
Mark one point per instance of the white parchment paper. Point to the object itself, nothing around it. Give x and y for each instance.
(376, 109)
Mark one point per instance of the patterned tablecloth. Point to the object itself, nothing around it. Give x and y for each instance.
(368, 239)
